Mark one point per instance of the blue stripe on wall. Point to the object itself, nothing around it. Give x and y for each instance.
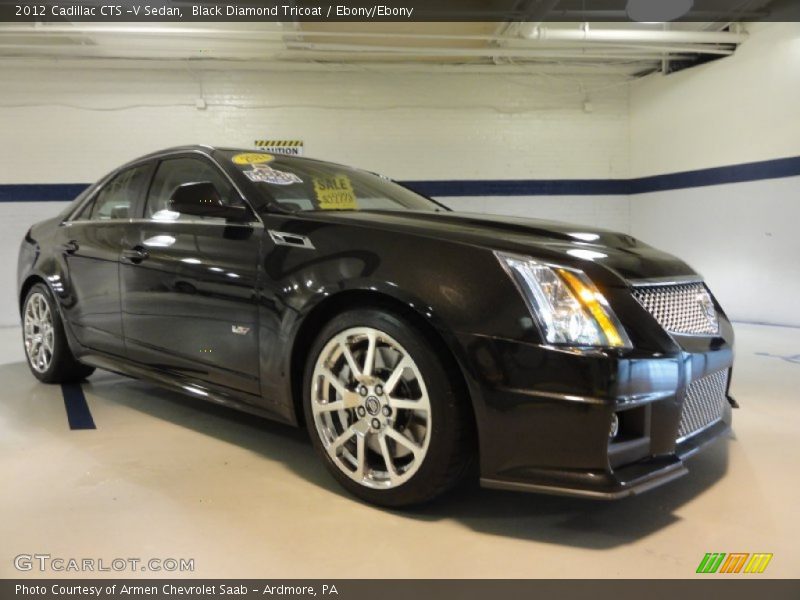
(40, 192)
(756, 171)
(78, 413)
(521, 187)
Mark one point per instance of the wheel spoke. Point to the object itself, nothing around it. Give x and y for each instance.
(360, 455)
(351, 360)
(349, 399)
(323, 407)
(394, 378)
(346, 435)
(404, 404)
(369, 360)
(47, 341)
(387, 458)
(404, 441)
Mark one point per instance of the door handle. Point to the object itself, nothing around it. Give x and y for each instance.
(71, 247)
(135, 255)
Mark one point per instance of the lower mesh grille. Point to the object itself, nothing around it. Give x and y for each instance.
(704, 403)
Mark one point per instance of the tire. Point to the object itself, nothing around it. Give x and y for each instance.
(394, 441)
(46, 348)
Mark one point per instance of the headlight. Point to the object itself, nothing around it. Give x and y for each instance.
(565, 303)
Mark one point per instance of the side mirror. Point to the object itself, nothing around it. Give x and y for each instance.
(202, 199)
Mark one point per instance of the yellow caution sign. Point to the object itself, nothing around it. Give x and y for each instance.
(286, 147)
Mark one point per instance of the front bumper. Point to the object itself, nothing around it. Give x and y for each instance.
(544, 414)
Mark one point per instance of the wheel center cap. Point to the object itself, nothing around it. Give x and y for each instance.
(372, 405)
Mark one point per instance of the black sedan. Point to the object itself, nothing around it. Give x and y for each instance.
(412, 341)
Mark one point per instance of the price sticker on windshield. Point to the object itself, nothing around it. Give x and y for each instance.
(335, 193)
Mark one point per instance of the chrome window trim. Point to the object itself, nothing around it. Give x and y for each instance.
(99, 187)
(158, 157)
(252, 224)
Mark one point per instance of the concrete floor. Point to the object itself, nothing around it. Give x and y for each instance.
(165, 476)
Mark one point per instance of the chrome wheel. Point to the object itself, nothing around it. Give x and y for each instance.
(38, 332)
(371, 408)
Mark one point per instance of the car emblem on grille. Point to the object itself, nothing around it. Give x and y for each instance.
(704, 300)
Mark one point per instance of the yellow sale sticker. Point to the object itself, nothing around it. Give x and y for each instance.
(335, 193)
(252, 158)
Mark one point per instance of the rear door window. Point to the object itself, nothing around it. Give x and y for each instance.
(117, 200)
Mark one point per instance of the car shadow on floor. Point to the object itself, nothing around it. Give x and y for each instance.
(591, 524)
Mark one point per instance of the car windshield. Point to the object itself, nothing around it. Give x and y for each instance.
(304, 185)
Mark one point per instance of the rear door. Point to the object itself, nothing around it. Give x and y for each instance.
(91, 244)
(188, 284)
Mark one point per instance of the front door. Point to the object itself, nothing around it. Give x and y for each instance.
(91, 244)
(188, 284)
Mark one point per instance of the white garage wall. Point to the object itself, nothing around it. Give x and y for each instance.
(408, 126)
(73, 125)
(608, 212)
(741, 109)
(742, 237)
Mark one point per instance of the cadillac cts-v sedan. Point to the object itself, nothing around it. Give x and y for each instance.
(412, 341)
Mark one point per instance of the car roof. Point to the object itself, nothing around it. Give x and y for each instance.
(210, 150)
(206, 149)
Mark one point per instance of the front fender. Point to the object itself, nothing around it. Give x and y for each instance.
(452, 287)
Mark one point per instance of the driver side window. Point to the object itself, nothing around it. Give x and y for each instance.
(174, 172)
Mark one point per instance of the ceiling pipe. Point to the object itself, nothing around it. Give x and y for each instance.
(327, 54)
(587, 34)
(529, 31)
(260, 63)
(489, 52)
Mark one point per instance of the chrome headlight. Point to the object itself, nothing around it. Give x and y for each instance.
(564, 302)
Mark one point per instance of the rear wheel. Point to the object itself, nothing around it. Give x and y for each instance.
(49, 356)
(383, 412)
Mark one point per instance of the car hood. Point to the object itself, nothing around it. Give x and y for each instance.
(615, 258)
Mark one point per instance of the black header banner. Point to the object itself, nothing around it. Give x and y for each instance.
(104, 11)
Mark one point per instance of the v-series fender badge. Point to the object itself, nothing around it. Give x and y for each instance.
(240, 329)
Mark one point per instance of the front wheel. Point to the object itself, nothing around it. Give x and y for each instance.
(49, 356)
(384, 412)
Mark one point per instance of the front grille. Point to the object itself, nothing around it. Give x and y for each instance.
(680, 308)
(704, 403)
